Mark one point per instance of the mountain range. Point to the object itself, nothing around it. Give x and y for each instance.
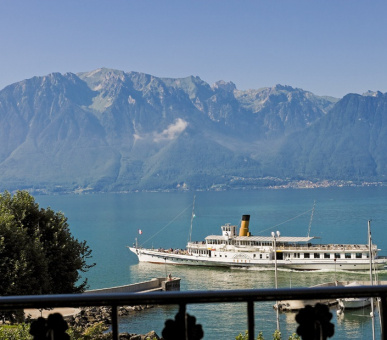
(109, 130)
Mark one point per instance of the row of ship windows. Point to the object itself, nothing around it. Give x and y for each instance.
(329, 255)
(303, 255)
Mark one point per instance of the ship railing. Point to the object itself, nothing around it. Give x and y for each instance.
(197, 243)
(249, 297)
(341, 248)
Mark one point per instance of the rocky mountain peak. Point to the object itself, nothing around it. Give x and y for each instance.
(102, 78)
(286, 88)
(224, 85)
(370, 93)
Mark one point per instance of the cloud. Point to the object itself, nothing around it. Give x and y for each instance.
(172, 131)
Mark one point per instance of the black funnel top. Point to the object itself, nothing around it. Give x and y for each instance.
(245, 217)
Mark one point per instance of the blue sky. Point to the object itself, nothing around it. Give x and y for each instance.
(326, 47)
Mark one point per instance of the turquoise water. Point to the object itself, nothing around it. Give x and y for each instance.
(110, 222)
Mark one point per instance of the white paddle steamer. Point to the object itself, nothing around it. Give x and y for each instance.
(245, 250)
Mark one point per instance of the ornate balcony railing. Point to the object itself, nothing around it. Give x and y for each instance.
(182, 299)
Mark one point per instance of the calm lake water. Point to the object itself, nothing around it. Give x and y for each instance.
(110, 222)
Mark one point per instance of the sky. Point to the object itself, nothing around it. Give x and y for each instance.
(328, 47)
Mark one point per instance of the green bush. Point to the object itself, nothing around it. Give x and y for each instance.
(15, 332)
(21, 332)
(246, 336)
(96, 331)
(277, 335)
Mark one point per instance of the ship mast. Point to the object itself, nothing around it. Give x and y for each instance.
(371, 278)
(192, 217)
(311, 218)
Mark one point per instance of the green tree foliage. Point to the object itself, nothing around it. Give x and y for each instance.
(242, 337)
(246, 336)
(96, 331)
(276, 336)
(38, 254)
(21, 332)
(93, 332)
(18, 332)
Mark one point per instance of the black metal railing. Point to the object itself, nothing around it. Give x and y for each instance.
(182, 299)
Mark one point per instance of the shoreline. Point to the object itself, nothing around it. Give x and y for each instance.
(244, 185)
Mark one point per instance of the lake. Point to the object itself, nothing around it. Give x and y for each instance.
(110, 222)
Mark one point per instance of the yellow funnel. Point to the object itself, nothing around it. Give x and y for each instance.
(244, 230)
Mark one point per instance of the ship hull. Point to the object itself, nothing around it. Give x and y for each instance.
(161, 257)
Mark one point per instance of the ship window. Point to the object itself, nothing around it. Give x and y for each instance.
(267, 256)
(347, 255)
(260, 256)
(337, 255)
(316, 255)
(255, 255)
(327, 256)
(358, 255)
(306, 255)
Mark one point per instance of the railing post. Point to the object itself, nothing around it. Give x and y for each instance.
(183, 313)
(382, 315)
(250, 318)
(114, 323)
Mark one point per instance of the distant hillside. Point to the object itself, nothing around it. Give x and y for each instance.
(348, 144)
(108, 130)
